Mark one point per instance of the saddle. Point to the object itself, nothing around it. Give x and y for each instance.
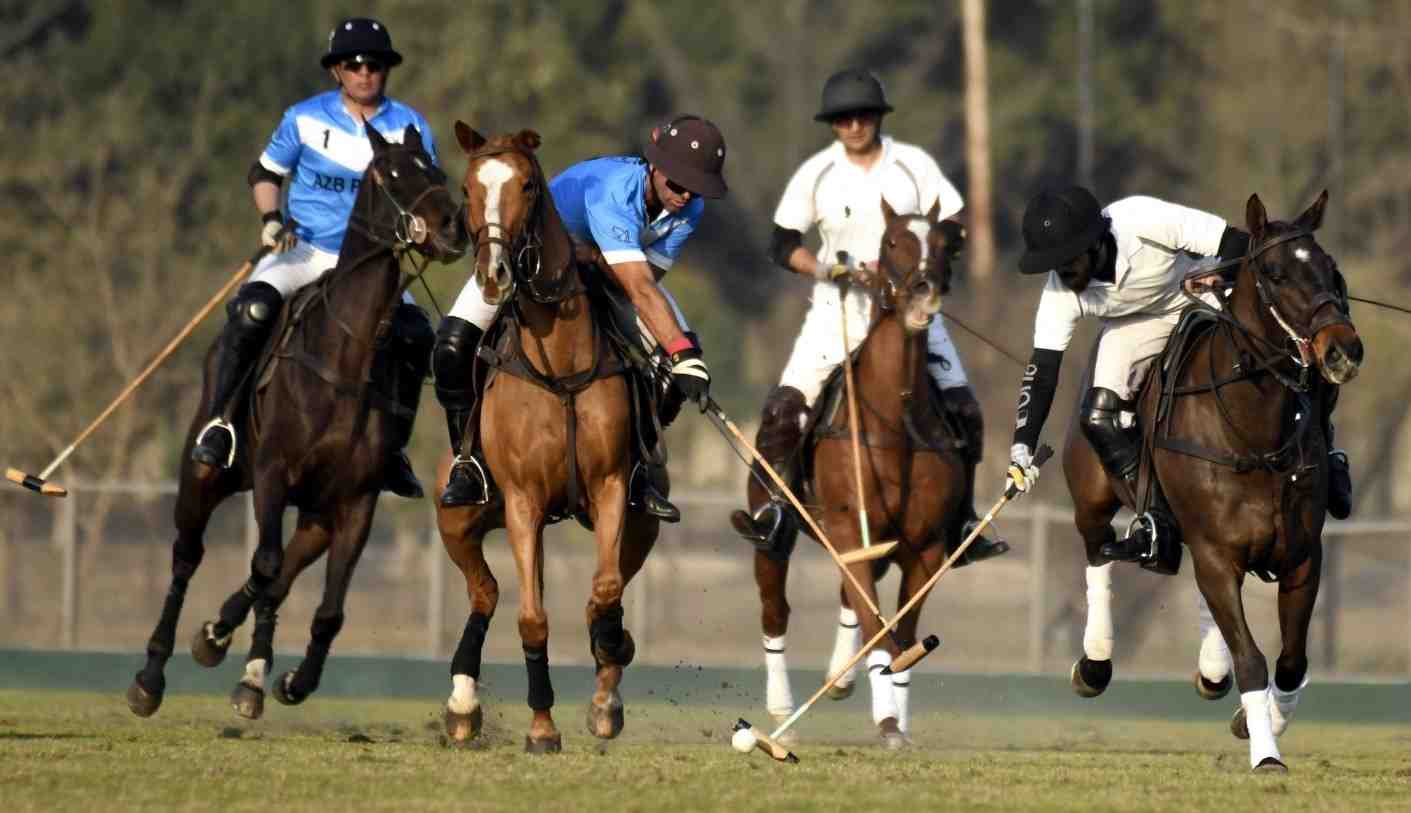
(936, 430)
(620, 348)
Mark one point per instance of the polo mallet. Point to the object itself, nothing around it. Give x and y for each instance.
(40, 483)
(770, 743)
(723, 422)
(868, 551)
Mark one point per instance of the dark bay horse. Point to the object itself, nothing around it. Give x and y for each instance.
(913, 475)
(556, 430)
(1241, 454)
(316, 435)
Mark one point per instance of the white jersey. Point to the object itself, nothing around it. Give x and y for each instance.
(1157, 243)
(845, 201)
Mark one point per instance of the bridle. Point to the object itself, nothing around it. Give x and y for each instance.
(525, 250)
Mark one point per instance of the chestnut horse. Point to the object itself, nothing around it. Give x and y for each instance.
(556, 432)
(315, 434)
(913, 476)
(1241, 454)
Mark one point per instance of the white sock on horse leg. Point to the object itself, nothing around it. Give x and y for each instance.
(1261, 730)
(778, 696)
(1097, 635)
(255, 671)
(884, 700)
(463, 699)
(901, 693)
(845, 644)
(1214, 659)
(1281, 712)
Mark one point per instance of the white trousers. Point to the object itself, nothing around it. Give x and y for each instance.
(471, 306)
(301, 265)
(1127, 347)
(818, 350)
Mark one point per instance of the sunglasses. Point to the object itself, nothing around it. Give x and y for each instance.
(677, 188)
(357, 63)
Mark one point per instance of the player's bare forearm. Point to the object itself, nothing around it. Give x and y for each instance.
(638, 281)
(266, 196)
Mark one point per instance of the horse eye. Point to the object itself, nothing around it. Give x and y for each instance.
(891, 244)
(528, 186)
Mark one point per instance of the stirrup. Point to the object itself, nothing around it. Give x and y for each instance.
(218, 423)
(471, 462)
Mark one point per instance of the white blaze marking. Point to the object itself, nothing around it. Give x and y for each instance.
(1302, 254)
(922, 229)
(463, 699)
(492, 175)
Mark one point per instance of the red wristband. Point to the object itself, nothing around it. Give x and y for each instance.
(677, 346)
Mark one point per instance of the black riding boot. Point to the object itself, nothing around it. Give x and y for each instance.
(1153, 538)
(408, 360)
(251, 317)
(643, 495)
(961, 402)
(457, 390)
(1339, 473)
(774, 526)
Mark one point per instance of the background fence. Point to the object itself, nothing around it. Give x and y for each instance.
(90, 572)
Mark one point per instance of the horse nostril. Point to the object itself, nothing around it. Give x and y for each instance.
(1356, 352)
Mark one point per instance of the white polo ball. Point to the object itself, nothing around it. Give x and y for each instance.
(744, 741)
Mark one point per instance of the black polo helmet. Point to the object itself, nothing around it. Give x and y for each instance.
(852, 90)
(690, 151)
(1059, 226)
(360, 36)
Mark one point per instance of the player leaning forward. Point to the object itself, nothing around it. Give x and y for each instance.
(840, 191)
(1123, 264)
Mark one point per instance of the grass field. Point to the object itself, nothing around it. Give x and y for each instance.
(987, 743)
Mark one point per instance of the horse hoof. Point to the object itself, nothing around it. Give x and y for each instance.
(1090, 678)
(549, 745)
(841, 691)
(1271, 765)
(205, 649)
(142, 702)
(464, 727)
(284, 694)
(1238, 725)
(606, 722)
(1212, 691)
(622, 656)
(248, 701)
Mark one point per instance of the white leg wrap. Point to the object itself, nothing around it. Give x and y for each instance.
(884, 701)
(778, 696)
(463, 698)
(255, 672)
(1214, 654)
(1097, 635)
(1261, 731)
(901, 692)
(845, 645)
(1281, 712)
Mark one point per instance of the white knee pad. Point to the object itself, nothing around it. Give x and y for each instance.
(471, 306)
(1097, 635)
(778, 695)
(1214, 659)
(884, 701)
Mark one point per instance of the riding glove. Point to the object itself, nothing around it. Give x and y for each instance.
(1022, 471)
(691, 376)
(843, 268)
(275, 233)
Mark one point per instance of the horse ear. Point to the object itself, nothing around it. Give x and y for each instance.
(528, 139)
(888, 213)
(411, 137)
(469, 140)
(935, 214)
(379, 144)
(1255, 216)
(1312, 218)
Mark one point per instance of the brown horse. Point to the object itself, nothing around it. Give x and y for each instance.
(317, 435)
(556, 439)
(1241, 455)
(913, 476)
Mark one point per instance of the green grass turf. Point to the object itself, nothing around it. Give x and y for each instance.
(982, 743)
